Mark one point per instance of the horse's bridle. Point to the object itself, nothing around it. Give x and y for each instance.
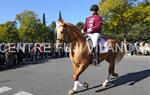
(65, 33)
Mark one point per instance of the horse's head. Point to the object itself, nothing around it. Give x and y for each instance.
(61, 31)
(67, 32)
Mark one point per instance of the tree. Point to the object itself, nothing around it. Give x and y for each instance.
(31, 29)
(122, 16)
(9, 32)
(52, 34)
(52, 26)
(44, 20)
(80, 25)
(60, 16)
(140, 31)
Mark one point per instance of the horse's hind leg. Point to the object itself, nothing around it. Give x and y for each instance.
(111, 70)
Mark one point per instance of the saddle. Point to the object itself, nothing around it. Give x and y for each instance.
(102, 46)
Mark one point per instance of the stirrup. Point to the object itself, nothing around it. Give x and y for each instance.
(94, 61)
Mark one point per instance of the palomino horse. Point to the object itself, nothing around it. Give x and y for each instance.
(80, 54)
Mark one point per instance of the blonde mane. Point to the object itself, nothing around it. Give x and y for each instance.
(75, 29)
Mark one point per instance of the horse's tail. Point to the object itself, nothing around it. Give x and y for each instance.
(120, 55)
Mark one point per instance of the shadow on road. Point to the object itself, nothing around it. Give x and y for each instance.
(5, 81)
(26, 64)
(130, 78)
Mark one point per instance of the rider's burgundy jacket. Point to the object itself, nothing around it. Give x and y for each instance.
(94, 22)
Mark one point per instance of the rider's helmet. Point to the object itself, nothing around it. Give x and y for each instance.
(94, 7)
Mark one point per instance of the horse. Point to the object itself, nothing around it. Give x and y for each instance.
(81, 56)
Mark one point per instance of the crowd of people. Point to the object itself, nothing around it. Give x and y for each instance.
(11, 59)
(140, 48)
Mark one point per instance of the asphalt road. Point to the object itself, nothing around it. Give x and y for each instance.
(54, 77)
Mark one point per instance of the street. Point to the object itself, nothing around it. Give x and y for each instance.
(54, 77)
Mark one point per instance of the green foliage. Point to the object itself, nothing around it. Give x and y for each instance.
(44, 20)
(52, 26)
(122, 16)
(31, 29)
(9, 32)
(80, 25)
(52, 35)
(60, 17)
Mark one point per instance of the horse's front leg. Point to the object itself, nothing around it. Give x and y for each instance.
(78, 69)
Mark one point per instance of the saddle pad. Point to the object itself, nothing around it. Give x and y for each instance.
(103, 45)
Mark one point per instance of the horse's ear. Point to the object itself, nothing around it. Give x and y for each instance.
(62, 21)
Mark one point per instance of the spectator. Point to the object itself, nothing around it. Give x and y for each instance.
(66, 49)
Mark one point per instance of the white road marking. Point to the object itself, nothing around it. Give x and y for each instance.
(4, 89)
(23, 93)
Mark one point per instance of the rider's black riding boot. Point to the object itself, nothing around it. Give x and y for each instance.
(95, 60)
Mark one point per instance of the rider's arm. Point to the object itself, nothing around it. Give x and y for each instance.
(85, 26)
(97, 24)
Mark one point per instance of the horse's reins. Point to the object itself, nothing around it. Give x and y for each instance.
(70, 40)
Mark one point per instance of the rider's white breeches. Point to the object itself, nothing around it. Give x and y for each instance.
(94, 38)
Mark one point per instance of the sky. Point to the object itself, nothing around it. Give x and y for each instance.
(72, 10)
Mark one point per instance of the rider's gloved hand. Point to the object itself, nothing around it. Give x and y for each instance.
(82, 31)
(85, 35)
(89, 30)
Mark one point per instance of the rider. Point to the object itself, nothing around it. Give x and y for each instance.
(92, 28)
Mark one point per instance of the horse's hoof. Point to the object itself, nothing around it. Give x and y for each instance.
(86, 85)
(114, 76)
(105, 83)
(71, 92)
